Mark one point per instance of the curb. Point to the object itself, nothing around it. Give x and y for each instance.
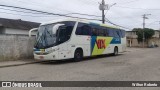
(3, 66)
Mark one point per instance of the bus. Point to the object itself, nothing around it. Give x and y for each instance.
(76, 39)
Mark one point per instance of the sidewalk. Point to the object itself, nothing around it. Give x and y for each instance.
(17, 63)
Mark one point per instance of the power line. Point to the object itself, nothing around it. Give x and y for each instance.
(45, 14)
(49, 13)
(22, 14)
(41, 13)
(19, 11)
(31, 10)
(38, 4)
(116, 24)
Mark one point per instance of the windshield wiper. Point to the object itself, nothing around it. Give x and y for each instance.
(49, 33)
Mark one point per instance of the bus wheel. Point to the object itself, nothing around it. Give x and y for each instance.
(78, 55)
(115, 51)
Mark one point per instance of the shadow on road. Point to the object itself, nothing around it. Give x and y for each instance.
(58, 62)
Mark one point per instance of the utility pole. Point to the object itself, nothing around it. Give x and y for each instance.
(103, 7)
(159, 30)
(159, 24)
(103, 16)
(144, 18)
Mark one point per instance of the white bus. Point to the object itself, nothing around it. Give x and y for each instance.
(76, 38)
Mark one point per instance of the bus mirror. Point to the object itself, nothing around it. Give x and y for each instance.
(55, 28)
(30, 31)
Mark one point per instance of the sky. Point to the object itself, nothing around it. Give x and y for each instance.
(126, 13)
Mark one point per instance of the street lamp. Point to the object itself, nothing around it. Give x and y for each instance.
(110, 7)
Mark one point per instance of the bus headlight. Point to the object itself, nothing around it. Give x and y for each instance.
(52, 50)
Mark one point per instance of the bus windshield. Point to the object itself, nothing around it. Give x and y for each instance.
(46, 38)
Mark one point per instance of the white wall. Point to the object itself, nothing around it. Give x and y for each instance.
(17, 31)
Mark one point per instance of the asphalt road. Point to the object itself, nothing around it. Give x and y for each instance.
(133, 65)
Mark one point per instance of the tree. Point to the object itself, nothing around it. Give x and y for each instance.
(147, 32)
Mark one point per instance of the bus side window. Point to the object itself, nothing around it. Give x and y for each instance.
(83, 29)
(110, 32)
(101, 32)
(123, 33)
(86, 30)
(106, 32)
(117, 34)
(94, 32)
(68, 32)
(64, 32)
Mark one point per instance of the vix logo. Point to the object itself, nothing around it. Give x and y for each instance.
(101, 43)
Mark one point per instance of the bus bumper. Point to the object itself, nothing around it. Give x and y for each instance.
(52, 56)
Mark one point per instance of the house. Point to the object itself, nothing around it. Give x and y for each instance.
(131, 38)
(16, 26)
(155, 38)
(133, 42)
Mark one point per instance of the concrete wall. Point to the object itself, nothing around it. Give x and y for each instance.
(14, 47)
(17, 31)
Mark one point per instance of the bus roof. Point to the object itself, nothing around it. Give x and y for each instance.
(79, 20)
(60, 20)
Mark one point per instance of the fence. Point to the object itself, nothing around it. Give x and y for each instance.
(14, 47)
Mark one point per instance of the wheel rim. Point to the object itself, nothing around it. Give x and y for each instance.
(78, 56)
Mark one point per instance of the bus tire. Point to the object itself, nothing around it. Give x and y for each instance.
(78, 55)
(115, 51)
